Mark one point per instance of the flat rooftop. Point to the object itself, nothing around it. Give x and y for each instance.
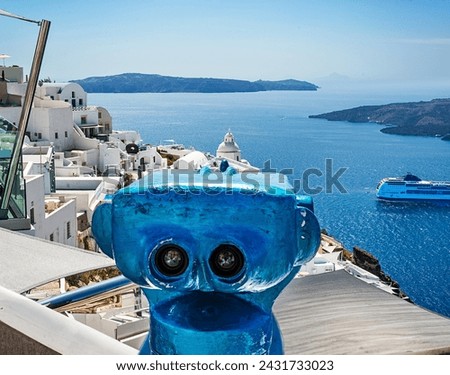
(336, 313)
(28, 262)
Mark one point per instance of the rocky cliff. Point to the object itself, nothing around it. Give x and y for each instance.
(431, 118)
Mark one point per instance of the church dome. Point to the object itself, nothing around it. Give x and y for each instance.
(228, 148)
(228, 144)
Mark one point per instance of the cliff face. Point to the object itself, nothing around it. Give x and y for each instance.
(137, 82)
(370, 263)
(420, 118)
(362, 258)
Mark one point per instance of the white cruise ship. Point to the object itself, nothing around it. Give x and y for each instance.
(411, 187)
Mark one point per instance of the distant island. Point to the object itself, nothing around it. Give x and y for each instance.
(137, 82)
(430, 118)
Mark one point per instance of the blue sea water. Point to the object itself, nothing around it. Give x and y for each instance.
(411, 240)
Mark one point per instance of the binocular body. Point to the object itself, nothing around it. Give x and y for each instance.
(211, 251)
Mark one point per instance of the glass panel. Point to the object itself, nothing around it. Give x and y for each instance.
(17, 204)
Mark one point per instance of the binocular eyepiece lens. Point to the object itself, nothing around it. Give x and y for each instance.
(226, 261)
(171, 260)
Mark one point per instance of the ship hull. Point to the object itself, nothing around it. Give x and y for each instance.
(409, 199)
(404, 189)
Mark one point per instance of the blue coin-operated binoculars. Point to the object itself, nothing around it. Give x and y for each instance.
(212, 251)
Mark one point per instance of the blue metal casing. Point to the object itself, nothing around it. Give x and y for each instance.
(199, 310)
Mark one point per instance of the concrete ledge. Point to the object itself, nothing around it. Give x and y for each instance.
(29, 328)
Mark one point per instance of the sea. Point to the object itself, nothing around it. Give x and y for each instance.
(338, 163)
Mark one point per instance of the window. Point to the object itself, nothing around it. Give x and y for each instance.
(80, 102)
(56, 135)
(68, 230)
(32, 219)
(99, 115)
(83, 120)
(73, 94)
(66, 134)
(51, 237)
(39, 135)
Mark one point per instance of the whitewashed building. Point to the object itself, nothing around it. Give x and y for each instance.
(229, 149)
(52, 216)
(71, 93)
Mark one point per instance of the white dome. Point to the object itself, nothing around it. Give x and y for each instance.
(228, 144)
(192, 161)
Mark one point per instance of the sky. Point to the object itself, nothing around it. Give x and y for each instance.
(378, 40)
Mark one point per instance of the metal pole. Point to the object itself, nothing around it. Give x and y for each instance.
(26, 110)
(12, 15)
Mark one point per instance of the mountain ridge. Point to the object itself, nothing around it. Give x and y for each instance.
(155, 83)
(424, 118)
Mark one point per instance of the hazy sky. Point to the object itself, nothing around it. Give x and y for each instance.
(244, 39)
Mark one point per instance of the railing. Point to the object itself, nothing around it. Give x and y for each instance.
(84, 108)
(93, 291)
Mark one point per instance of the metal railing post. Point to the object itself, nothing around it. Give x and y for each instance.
(25, 114)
